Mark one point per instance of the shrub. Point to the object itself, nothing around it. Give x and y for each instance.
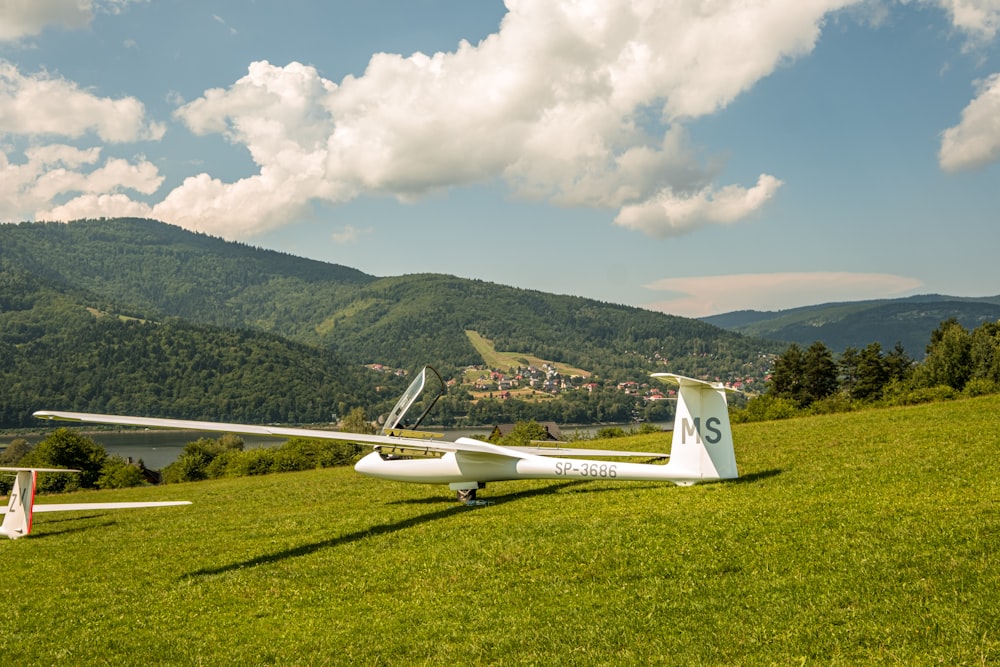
(831, 405)
(923, 395)
(219, 466)
(980, 387)
(189, 467)
(15, 451)
(65, 448)
(337, 453)
(209, 448)
(765, 408)
(297, 454)
(197, 457)
(251, 462)
(117, 473)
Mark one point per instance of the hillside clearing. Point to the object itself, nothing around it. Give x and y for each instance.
(496, 359)
(865, 537)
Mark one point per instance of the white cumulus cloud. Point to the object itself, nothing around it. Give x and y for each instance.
(45, 110)
(573, 102)
(668, 214)
(28, 188)
(975, 141)
(40, 104)
(96, 205)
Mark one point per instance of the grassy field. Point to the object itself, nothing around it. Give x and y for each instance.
(863, 538)
(496, 359)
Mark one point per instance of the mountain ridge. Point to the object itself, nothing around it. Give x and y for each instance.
(906, 320)
(149, 269)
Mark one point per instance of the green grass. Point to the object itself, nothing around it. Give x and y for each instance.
(870, 537)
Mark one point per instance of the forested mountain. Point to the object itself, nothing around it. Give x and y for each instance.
(57, 354)
(908, 321)
(154, 271)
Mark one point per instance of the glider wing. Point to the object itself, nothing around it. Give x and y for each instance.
(73, 507)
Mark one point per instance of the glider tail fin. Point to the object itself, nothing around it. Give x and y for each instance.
(17, 520)
(702, 445)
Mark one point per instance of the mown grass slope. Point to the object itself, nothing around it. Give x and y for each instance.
(504, 360)
(860, 538)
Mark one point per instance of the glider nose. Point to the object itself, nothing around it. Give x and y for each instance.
(369, 465)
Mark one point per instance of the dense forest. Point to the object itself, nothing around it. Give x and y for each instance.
(151, 270)
(57, 354)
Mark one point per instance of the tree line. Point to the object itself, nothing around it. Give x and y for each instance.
(958, 362)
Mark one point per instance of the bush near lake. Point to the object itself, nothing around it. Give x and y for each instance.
(208, 458)
(65, 448)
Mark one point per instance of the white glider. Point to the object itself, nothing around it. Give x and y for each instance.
(21, 505)
(701, 448)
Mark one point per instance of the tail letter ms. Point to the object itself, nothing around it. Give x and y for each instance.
(711, 434)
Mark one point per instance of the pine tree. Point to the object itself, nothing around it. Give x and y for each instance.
(872, 373)
(788, 374)
(819, 373)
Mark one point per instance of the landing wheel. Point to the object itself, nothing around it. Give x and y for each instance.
(466, 495)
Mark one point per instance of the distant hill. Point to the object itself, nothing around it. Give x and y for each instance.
(150, 270)
(909, 321)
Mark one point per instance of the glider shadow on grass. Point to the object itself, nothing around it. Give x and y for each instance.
(755, 476)
(375, 531)
(35, 536)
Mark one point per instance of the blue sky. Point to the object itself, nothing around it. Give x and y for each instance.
(689, 157)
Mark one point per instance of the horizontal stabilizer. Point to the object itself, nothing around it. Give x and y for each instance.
(74, 507)
(21, 505)
(684, 381)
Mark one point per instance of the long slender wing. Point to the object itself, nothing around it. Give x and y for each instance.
(242, 429)
(72, 507)
(419, 444)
